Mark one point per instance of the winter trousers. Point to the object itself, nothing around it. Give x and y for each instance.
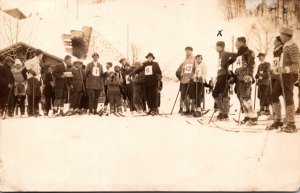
(9, 103)
(263, 94)
(152, 97)
(75, 99)
(106, 96)
(244, 94)
(84, 101)
(115, 102)
(49, 101)
(139, 96)
(33, 105)
(288, 81)
(187, 95)
(19, 102)
(220, 94)
(61, 94)
(93, 99)
(128, 92)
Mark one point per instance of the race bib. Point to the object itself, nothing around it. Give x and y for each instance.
(275, 63)
(188, 68)
(127, 79)
(148, 70)
(239, 62)
(96, 71)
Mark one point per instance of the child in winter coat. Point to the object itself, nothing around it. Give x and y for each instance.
(114, 81)
(48, 91)
(19, 89)
(109, 69)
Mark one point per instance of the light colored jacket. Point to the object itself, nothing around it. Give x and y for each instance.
(187, 69)
(200, 72)
(33, 64)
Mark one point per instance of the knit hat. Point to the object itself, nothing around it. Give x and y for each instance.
(261, 54)
(287, 30)
(221, 44)
(18, 61)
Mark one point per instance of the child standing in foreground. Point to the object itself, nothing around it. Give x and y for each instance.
(114, 81)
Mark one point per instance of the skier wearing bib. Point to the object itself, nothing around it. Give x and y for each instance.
(244, 74)
(221, 89)
(152, 78)
(185, 73)
(94, 83)
(287, 71)
(263, 80)
(198, 87)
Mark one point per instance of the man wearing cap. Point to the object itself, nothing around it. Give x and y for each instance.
(244, 79)
(220, 92)
(6, 86)
(152, 78)
(33, 79)
(263, 82)
(94, 83)
(287, 69)
(185, 74)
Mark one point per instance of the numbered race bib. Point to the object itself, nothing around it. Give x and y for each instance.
(127, 79)
(148, 70)
(275, 63)
(239, 62)
(219, 64)
(96, 71)
(188, 68)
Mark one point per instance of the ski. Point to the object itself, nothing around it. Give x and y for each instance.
(247, 129)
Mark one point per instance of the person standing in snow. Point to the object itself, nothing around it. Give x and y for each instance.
(94, 82)
(76, 87)
(287, 71)
(19, 91)
(6, 86)
(84, 102)
(198, 87)
(153, 76)
(185, 73)
(33, 80)
(263, 81)
(221, 89)
(244, 79)
(109, 69)
(48, 91)
(114, 81)
(124, 68)
(61, 86)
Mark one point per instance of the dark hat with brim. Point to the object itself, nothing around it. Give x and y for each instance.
(150, 55)
(122, 59)
(261, 54)
(95, 54)
(189, 48)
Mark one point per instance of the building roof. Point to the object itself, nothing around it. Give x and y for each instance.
(22, 44)
(12, 12)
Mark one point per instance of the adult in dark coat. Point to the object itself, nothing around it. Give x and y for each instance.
(48, 91)
(60, 85)
(152, 78)
(94, 82)
(6, 86)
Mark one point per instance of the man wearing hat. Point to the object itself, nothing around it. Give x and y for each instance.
(221, 89)
(287, 69)
(94, 83)
(185, 74)
(263, 82)
(6, 86)
(152, 78)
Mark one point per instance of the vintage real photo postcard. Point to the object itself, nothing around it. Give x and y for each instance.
(140, 95)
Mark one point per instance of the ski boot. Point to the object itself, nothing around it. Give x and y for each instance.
(197, 114)
(276, 125)
(186, 113)
(91, 112)
(252, 121)
(224, 117)
(220, 116)
(245, 120)
(290, 128)
(180, 110)
(70, 112)
(267, 111)
(297, 111)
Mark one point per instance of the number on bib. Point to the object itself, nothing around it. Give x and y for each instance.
(148, 70)
(127, 79)
(275, 63)
(96, 71)
(188, 68)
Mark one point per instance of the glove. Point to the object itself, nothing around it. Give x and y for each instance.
(9, 86)
(247, 78)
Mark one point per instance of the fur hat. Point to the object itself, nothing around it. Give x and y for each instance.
(150, 54)
(287, 30)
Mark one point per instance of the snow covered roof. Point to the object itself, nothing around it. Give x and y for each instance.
(16, 13)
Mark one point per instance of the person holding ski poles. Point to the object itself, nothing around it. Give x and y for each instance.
(185, 73)
(33, 83)
(221, 90)
(6, 87)
(287, 70)
(199, 80)
(263, 84)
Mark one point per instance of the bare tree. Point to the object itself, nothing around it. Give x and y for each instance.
(136, 51)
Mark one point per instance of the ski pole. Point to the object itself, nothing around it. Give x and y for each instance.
(175, 101)
(239, 119)
(196, 100)
(255, 92)
(33, 96)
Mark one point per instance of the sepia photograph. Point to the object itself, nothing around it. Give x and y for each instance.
(149, 95)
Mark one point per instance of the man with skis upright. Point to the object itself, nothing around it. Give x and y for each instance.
(244, 79)
(287, 71)
(185, 73)
(221, 89)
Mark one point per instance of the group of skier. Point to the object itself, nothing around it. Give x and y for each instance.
(123, 86)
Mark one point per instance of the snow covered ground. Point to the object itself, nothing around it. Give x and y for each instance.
(144, 153)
